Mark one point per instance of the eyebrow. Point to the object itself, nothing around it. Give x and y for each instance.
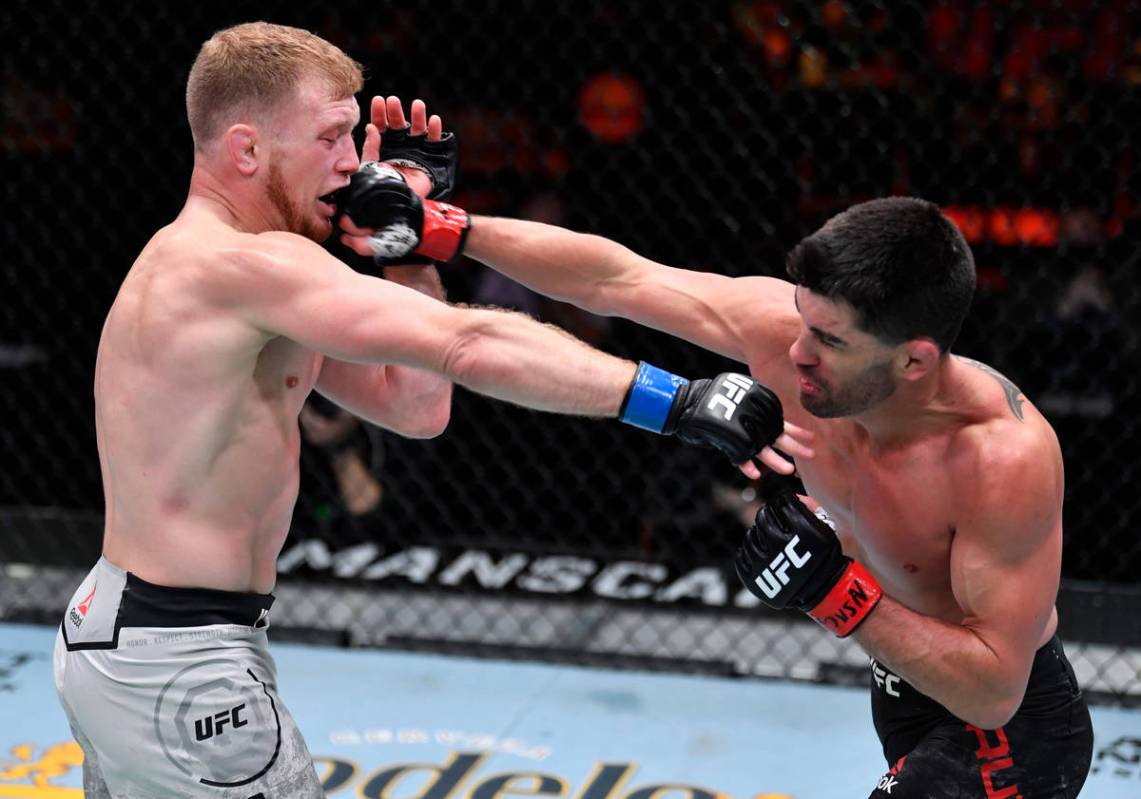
(344, 123)
(820, 334)
(340, 119)
(828, 337)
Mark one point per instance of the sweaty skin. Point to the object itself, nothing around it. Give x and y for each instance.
(949, 490)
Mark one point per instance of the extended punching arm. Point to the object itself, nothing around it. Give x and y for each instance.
(732, 412)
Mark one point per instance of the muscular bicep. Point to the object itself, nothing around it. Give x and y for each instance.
(287, 286)
(748, 319)
(1006, 561)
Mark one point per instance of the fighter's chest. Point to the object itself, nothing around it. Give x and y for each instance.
(894, 512)
(285, 372)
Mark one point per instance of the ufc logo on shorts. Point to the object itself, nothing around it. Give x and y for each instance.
(775, 577)
(734, 388)
(207, 728)
(885, 679)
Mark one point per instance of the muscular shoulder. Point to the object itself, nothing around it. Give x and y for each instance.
(764, 303)
(765, 312)
(257, 268)
(275, 249)
(1003, 447)
(1006, 475)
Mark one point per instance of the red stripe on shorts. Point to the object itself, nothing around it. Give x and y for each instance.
(994, 757)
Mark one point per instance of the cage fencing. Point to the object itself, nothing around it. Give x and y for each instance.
(707, 135)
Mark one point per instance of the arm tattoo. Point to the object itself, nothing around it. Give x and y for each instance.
(1014, 396)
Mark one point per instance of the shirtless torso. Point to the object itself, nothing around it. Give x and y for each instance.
(920, 489)
(196, 413)
(897, 510)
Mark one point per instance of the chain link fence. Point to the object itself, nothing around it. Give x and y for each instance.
(708, 135)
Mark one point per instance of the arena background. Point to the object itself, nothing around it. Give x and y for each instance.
(710, 135)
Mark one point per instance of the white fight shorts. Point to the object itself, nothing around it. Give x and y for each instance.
(171, 692)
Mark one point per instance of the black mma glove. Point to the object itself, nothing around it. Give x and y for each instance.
(731, 412)
(379, 197)
(438, 158)
(791, 558)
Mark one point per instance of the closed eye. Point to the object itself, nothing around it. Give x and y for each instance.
(826, 339)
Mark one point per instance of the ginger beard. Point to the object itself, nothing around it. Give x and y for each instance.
(294, 219)
(868, 388)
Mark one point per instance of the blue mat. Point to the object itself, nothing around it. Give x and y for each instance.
(404, 726)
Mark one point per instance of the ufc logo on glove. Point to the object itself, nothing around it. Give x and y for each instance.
(775, 577)
(735, 386)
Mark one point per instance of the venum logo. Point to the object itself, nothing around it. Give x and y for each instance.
(734, 388)
(775, 577)
(857, 598)
(210, 726)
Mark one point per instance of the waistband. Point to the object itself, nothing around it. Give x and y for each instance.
(1050, 673)
(145, 604)
(111, 598)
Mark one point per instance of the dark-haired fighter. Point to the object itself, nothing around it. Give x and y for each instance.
(944, 483)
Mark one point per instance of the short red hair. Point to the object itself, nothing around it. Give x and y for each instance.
(252, 68)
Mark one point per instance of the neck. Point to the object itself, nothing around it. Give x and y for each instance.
(918, 409)
(236, 205)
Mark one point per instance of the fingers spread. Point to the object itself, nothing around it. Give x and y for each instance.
(773, 459)
(419, 118)
(799, 432)
(793, 447)
(378, 114)
(395, 113)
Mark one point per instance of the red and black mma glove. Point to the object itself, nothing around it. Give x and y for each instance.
(379, 197)
(732, 412)
(439, 160)
(791, 558)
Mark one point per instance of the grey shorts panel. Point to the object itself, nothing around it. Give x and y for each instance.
(182, 711)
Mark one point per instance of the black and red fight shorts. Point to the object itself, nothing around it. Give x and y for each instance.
(1043, 752)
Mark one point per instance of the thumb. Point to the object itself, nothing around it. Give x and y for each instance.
(358, 244)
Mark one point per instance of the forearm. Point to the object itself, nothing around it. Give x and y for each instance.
(410, 393)
(412, 402)
(420, 277)
(950, 663)
(512, 357)
(579, 268)
(417, 400)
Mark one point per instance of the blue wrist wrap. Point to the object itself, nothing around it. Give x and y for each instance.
(650, 397)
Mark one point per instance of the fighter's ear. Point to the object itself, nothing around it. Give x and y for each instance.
(243, 148)
(917, 357)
